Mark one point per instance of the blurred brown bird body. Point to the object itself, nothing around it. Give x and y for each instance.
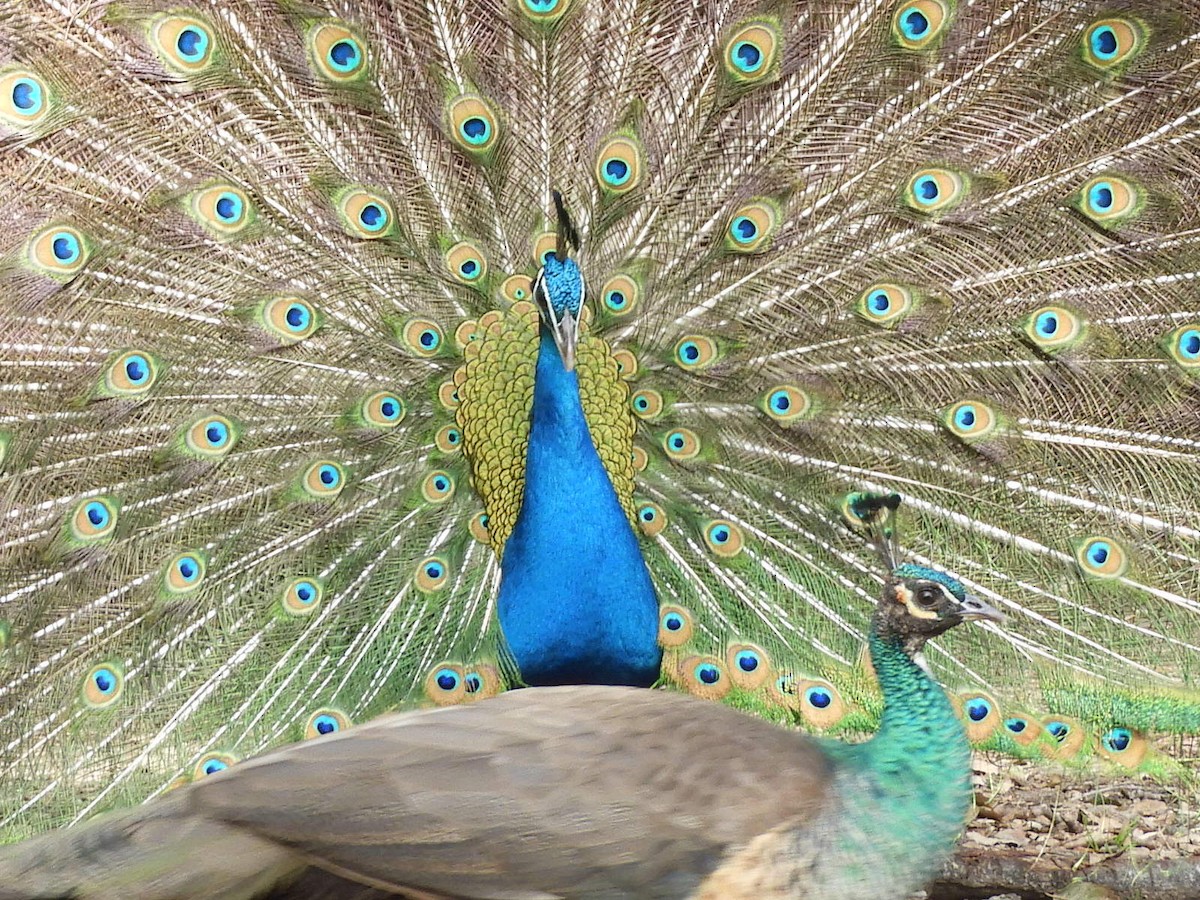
(584, 791)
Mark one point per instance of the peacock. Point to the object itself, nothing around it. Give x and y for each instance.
(370, 354)
(618, 770)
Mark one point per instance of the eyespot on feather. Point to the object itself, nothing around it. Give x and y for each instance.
(705, 677)
(787, 404)
(431, 574)
(935, 190)
(224, 210)
(752, 226)
(326, 721)
(58, 250)
(337, 53)
(185, 572)
(1101, 557)
(94, 519)
(302, 596)
(445, 685)
(675, 626)
(820, 703)
(473, 124)
(25, 99)
(748, 666)
(920, 24)
(619, 165)
(324, 479)
(437, 487)
(212, 763)
(885, 304)
(724, 538)
(103, 685)
(365, 214)
(184, 43)
(749, 53)
(466, 263)
(681, 444)
(1111, 42)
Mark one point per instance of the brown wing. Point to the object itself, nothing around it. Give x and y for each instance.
(538, 793)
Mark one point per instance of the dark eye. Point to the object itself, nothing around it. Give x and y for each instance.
(927, 596)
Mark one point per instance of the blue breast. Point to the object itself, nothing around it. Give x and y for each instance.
(576, 602)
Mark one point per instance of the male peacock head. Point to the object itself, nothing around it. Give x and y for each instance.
(920, 603)
(558, 289)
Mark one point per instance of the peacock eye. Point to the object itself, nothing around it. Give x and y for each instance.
(927, 596)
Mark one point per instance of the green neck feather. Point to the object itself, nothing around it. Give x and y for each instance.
(913, 779)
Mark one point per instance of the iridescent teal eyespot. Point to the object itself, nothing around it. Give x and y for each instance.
(541, 7)
(472, 123)
(707, 673)
(917, 24)
(1047, 324)
(65, 247)
(1100, 196)
(673, 621)
(744, 230)
(818, 697)
(879, 303)
(188, 568)
(228, 207)
(476, 130)
(780, 402)
(1117, 739)
(723, 538)
(105, 681)
(964, 417)
(750, 51)
(747, 660)
(184, 43)
(1108, 43)
(216, 435)
(102, 685)
(27, 97)
(373, 217)
(1189, 344)
(192, 43)
(616, 172)
(1016, 725)
(344, 56)
(1104, 42)
(215, 765)
(326, 724)
(977, 709)
(747, 57)
(615, 300)
(24, 98)
(305, 591)
(914, 24)
(337, 53)
(323, 480)
(926, 190)
(298, 317)
(1058, 730)
(447, 679)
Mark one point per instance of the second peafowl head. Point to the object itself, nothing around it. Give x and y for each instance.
(926, 603)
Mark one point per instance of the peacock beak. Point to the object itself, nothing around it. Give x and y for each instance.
(974, 608)
(565, 331)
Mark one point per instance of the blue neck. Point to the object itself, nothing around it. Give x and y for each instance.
(576, 603)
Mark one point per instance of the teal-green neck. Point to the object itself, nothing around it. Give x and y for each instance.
(917, 767)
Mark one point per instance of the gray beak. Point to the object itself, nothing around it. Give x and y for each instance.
(974, 608)
(565, 332)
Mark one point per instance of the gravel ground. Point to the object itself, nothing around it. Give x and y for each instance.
(1038, 827)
